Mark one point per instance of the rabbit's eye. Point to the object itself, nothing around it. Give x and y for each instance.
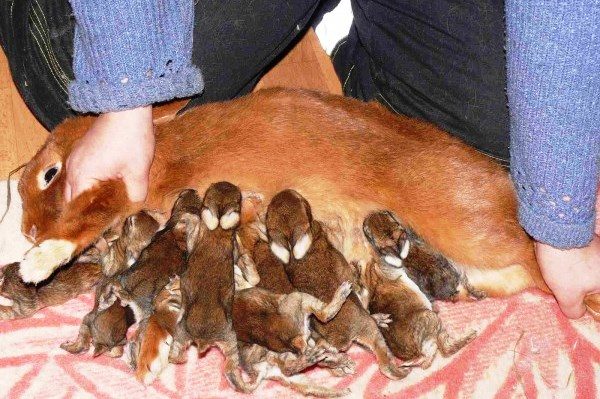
(48, 175)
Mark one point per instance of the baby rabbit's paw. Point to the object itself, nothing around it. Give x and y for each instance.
(7, 313)
(382, 319)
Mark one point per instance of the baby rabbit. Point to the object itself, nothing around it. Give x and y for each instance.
(314, 266)
(288, 329)
(19, 300)
(207, 286)
(149, 351)
(262, 364)
(164, 257)
(399, 246)
(415, 333)
(136, 234)
(107, 328)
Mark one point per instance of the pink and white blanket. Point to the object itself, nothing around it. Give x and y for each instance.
(525, 348)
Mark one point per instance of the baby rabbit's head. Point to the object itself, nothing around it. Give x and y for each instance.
(289, 225)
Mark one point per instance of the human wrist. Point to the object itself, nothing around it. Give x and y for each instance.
(131, 122)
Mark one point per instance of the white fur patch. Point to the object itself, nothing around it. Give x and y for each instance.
(4, 301)
(405, 249)
(230, 220)
(239, 280)
(209, 219)
(160, 362)
(281, 252)
(302, 246)
(393, 261)
(41, 260)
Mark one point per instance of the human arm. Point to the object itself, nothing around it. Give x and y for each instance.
(127, 55)
(553, 53)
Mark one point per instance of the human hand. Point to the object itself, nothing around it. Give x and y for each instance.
(571, 274)
(119, 145)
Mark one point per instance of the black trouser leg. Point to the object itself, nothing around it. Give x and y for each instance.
(234, 44)
(439, 60)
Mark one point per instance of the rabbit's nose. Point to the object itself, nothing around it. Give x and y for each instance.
(32, 233)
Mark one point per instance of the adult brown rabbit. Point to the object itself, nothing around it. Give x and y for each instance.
(347, 158)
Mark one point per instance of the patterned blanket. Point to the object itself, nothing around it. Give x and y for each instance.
(525, 348)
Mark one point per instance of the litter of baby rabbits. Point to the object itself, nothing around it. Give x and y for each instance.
(268, 288)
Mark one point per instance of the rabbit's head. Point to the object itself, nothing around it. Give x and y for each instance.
(43, 180)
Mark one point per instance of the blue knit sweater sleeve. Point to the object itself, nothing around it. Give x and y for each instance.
(553, 53)
(131, 53)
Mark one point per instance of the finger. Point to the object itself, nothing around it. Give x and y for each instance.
(137, 187)
(571, 306)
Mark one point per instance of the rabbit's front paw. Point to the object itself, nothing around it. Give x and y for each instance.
(41, 260)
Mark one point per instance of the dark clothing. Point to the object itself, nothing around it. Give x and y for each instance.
(442, 61)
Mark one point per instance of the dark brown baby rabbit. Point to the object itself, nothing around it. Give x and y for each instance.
(398, 246)
(163, 258)
(415, 333)
(314, 266)
(18, 299)
(107, 328)
(207, 286)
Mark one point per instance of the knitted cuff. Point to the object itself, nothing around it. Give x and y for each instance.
(548, 231)
(102, 97)
(132, 53)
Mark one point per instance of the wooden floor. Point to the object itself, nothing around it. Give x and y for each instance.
(305, 66)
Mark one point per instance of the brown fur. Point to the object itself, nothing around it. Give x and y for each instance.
(136, 234)
(432, 272)
(285, 332)
(271, 270)
(207, 285)
(163, 258)
(319, 272)
(105, 329)
(413, 323)
(347, 157)
(280, 322)
(149, 352)
(64, 284)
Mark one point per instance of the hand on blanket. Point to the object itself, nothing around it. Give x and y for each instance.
(119, 145)
(571, 274)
